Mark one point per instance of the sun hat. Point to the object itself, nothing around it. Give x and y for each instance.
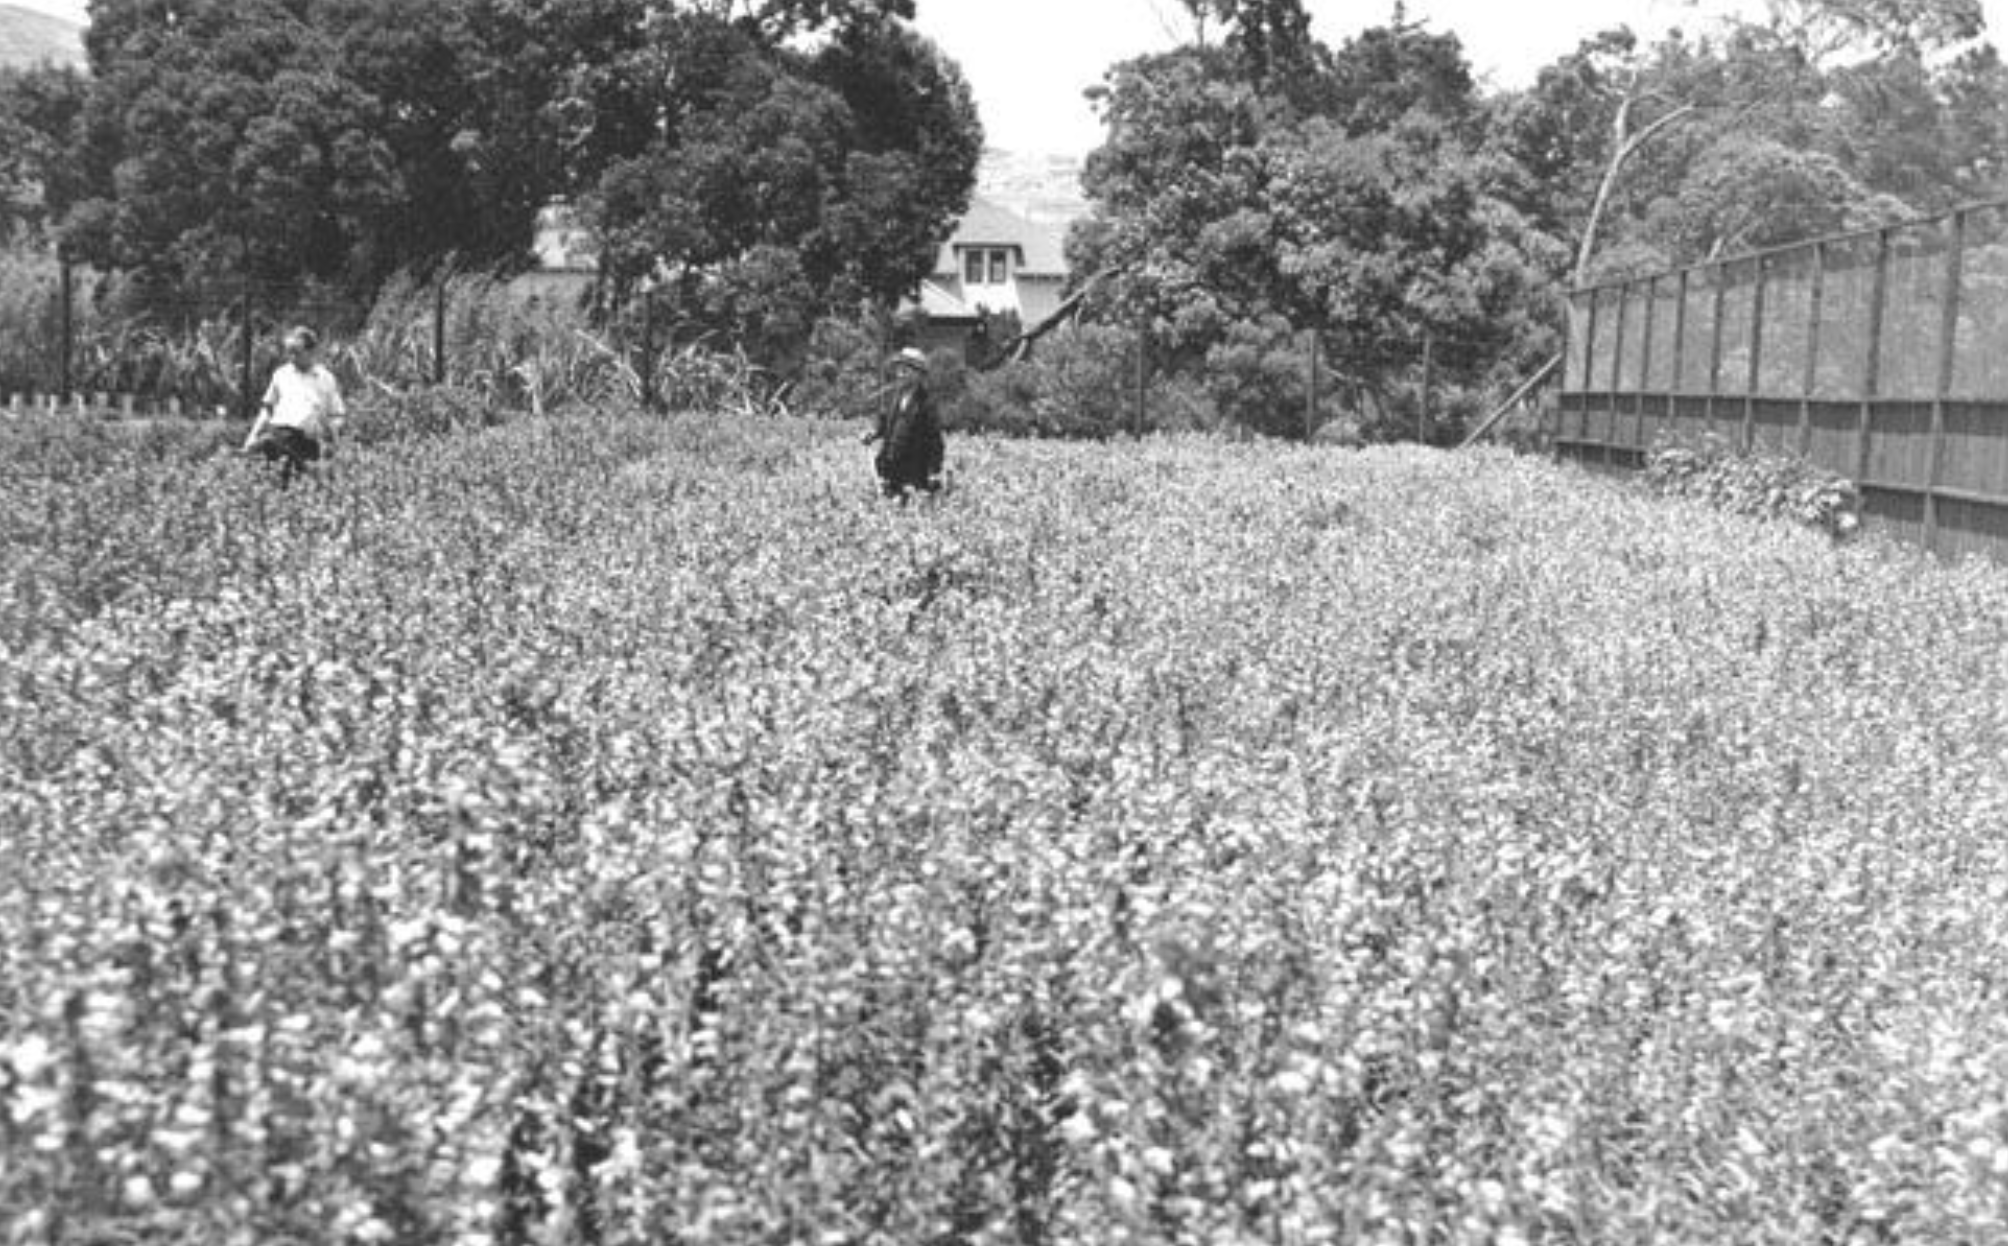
(910, 358)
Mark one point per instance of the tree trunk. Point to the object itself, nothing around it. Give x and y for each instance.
(1623, 145)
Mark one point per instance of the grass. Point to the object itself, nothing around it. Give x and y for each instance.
(606, 830)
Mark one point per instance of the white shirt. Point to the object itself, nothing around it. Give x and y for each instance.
(306, 399)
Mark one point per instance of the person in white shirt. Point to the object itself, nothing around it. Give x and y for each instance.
(303, 410)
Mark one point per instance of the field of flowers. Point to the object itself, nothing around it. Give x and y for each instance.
(619, 831)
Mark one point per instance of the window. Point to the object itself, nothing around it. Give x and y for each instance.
(986, 266)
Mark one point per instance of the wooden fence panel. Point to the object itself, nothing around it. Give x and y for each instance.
(1831, 427)
(1881, 356)
(1895, 513)
(1967, 526)
(1788, 295)
(1899, 445)
(1913, 312)
(1976, 447)
(1698, 309)
(1844, 319)
(1775, 425)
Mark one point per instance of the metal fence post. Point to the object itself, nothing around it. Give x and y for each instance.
(66, 301)
(649, 398)
(1814, 311)
(1872, 366)
(439, 329)
(1142, 373)
(1948, 340)
(1311, 396)
(1428, 383)
(245, 401)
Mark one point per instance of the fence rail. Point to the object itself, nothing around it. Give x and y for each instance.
(1881, 355)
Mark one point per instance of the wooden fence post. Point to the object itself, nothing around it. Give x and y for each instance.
(1872, 365)
(1674, 378)
(1715, 347)
(1617, 370)
(1948, 342)
(1749, 433)
(1589, 371)
(1644, 366)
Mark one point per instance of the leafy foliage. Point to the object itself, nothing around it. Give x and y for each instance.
(40, 109)
(1362, 208)
(1824, 115)
(774, 158)
(1780, 486)
(605, 830)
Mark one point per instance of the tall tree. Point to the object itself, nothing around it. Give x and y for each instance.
(1821, 114)
(819, 143)
(224, 139)
(1228, 217)
(779, 181)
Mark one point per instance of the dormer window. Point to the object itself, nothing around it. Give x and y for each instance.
(986, 266)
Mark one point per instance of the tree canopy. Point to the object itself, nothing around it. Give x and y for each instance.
(817, 147)
(1374, 195)
(1361, 205)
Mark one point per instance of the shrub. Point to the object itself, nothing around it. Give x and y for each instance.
(842, 370)
(1077, 385)
(430, 411)
(1776, 486)
(601, 838)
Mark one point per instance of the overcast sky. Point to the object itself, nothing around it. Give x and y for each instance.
(1030, 60)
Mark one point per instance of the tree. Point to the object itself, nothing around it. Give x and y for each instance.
(40, 111)
(1385, 73)
(766, 150)
(1232, 221)
(1856, 109)
(779, 183)
(223, 139)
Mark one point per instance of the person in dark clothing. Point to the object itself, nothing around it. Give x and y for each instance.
(908, 433)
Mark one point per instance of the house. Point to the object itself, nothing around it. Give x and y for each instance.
(997, 263)
(565, 259)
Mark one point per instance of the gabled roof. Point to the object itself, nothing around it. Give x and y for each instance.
(1041, 248)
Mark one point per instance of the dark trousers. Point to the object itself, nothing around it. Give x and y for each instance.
(291, 449)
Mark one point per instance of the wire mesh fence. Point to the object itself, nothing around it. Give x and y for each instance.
(1879, 355)
(81, 342)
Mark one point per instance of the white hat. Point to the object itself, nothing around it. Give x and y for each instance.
(911, 357)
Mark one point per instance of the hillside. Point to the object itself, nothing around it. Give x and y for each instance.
(31, 38)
